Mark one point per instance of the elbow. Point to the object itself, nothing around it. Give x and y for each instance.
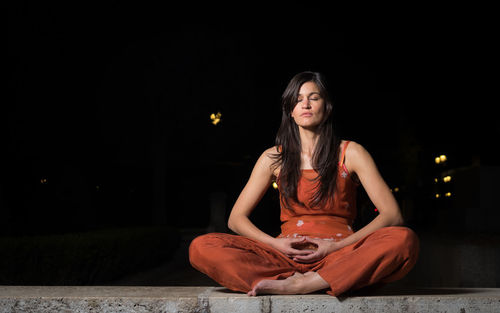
(398, 220)
(230, 223)
(394, 218)
(236, 223)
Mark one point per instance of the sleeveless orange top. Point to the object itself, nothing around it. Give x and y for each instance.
(331, 221)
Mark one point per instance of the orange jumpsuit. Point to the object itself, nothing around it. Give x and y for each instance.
(239, 263)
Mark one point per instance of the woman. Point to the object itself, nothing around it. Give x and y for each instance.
(317, 249)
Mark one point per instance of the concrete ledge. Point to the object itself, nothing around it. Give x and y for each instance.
(215, 299)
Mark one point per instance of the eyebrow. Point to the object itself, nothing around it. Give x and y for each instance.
(312, 93)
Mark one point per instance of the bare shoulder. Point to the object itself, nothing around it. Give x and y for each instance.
(271, 151)
(268, 159)
(354, 148)
(355, 155)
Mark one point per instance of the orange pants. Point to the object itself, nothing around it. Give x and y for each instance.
(239, 263)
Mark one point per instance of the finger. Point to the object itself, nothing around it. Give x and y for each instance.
(313, 240)
(300, 255)
(295, 252)
(306, 258)
(299, 260)
(298, 239)
(302, 260)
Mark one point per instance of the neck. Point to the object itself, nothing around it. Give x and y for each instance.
(308, 140)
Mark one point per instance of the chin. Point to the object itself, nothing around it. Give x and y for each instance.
(310, 126)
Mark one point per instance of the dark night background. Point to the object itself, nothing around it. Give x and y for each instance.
(107, 116)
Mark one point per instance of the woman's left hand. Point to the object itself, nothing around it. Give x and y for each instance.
(325, 247)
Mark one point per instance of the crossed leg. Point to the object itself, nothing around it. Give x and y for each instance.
(384, 256)
(238, 263)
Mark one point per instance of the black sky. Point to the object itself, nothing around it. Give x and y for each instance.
(96, 88)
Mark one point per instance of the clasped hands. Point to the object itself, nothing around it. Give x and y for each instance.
(305, 249)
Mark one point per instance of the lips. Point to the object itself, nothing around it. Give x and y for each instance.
(307, 114)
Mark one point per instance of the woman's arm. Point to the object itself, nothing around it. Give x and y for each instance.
(252, 193)
(358, 160)
(257, 185)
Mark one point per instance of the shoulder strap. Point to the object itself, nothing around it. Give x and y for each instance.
(342, 157)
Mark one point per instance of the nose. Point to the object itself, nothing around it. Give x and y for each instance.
(306, 104)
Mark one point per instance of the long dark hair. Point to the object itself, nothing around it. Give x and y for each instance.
(326, 153)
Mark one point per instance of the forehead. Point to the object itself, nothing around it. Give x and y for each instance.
(308, 88)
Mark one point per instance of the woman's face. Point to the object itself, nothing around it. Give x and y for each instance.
(309, 110)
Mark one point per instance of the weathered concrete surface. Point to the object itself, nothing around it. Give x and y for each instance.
(215, 299)
(99, 299)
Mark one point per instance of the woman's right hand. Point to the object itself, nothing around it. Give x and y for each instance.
(286, 246)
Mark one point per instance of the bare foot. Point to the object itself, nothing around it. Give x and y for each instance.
(296, 284)
(286, 286)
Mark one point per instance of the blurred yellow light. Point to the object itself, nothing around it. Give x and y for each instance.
(437, 160)
(438, 195)
(275, 185)
(43, 180)
(396, 189)
(435, 180)
(448, 194)
(446, 178)
(442, 157)
(215, 118)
